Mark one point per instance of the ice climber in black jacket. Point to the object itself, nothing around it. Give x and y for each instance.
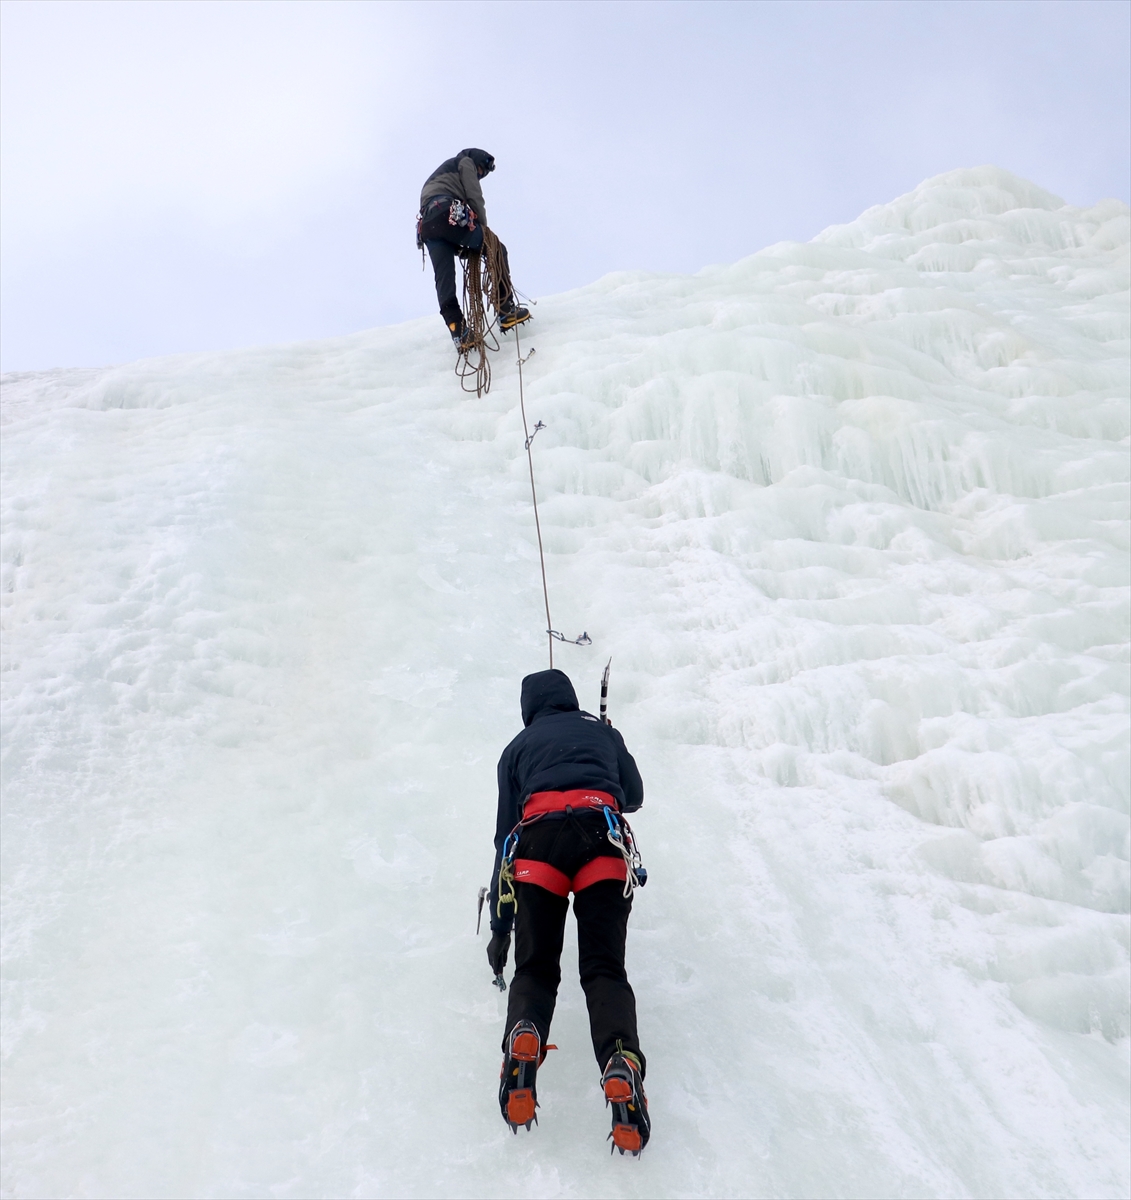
(562, 784)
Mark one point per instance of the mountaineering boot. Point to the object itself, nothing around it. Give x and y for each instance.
(517, 1096)
(624, 1090)
(511, 315)
(461, 336)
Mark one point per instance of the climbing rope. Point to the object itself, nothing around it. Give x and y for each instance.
(485, 280)
(551, 633)
(533, 492)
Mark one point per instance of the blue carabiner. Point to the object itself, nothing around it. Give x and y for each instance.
(612, 822)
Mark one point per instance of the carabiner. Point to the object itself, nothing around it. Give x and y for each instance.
(508, 850)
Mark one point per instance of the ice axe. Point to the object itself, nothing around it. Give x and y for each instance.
(605, 694)
(498, 981)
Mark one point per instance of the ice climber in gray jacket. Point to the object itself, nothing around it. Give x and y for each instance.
(452, 218)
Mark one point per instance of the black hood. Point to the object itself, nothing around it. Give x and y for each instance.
(547, 692)
(484, 161)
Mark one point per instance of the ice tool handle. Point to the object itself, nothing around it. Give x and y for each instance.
(498, 981)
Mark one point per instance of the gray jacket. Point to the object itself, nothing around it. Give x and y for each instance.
(456, 177)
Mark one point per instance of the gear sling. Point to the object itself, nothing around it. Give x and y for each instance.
(626, 869)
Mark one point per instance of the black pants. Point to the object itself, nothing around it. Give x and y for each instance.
(444, 241)
(602, 925)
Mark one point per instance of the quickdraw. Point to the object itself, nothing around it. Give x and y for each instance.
(620, 835)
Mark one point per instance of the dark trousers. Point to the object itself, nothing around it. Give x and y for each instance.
(602, 925)
(443, 244)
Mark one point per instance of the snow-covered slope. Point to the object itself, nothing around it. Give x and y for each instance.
(851, 519)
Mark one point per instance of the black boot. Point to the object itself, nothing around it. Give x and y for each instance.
(623, 1086)
(461, 335)
(452, 316)
(518, 1097)
(512, 314)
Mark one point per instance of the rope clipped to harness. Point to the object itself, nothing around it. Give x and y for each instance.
(506, 873)
(486, 280)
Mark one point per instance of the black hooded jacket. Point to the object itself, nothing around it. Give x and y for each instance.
(561, 748)
(458, 177)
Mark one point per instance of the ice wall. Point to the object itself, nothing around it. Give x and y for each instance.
(851, 518)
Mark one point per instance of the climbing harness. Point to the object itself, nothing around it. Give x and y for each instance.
(532, 870)
(627, 869)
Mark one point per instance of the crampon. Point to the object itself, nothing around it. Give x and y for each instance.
(624, 1090)
(512, 315)
(518, 1097)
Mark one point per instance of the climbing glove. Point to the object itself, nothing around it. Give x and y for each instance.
(497, 950)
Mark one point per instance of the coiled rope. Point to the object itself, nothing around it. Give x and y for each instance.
(486, 280)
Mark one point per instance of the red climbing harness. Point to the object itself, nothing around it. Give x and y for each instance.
(530, 870)
(514, 870)
(541, 803)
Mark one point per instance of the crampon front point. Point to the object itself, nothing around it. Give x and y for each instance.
(518, 1098)
(624, 1091)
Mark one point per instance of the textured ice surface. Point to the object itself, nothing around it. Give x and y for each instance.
(852, 519)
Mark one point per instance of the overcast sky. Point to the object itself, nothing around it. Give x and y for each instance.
(190, 176)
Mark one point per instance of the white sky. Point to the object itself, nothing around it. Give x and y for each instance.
(183, 176)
